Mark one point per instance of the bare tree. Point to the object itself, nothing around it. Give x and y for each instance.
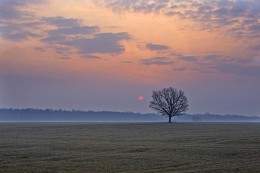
(170, 102)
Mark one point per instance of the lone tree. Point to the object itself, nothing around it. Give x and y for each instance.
(170, 102)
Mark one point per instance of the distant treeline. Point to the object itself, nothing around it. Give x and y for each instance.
(40, 115)
(29, 115)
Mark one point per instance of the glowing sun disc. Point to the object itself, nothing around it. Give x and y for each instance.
(141, 98)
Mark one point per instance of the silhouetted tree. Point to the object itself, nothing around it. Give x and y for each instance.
(170, 102)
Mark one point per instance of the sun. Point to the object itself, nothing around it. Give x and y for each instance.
(140, 98)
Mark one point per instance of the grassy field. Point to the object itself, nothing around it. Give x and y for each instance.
(158, 147)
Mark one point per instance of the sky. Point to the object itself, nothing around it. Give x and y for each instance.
(111, 54)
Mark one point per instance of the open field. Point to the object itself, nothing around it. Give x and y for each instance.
(158, 147)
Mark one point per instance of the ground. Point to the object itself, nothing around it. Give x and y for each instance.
(151, 147)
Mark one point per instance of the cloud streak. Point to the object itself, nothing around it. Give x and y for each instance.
(156, 47)
(11, 9)
(209, 63)
(100, 43)
(223, 64)
(86, 39)
(69, 33)
(16, 32)
(157, 61)
(239, 17)
(17, 23)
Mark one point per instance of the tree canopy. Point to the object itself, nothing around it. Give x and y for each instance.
(170, 102)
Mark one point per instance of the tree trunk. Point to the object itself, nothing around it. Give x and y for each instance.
(170, 119)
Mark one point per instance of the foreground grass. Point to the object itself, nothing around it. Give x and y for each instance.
(50, 147)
